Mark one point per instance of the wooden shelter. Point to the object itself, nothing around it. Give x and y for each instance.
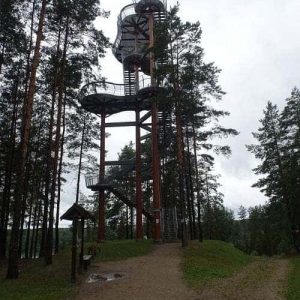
(74, 214)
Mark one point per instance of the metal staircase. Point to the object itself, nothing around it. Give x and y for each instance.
(160, 17)
(165, 131)
(129, 82)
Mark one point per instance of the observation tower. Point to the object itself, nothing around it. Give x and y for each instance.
(133, 49)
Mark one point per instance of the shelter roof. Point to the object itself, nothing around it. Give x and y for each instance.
(77, 211)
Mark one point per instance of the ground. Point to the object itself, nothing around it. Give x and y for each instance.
(263, 279)
(158, 275)
(154, 276)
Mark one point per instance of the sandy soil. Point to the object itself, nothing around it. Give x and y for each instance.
(157, 276)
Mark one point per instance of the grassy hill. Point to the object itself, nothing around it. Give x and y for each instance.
(217, 268)
(40, 282)
(293, 285)
(211, 260)
(207, 264)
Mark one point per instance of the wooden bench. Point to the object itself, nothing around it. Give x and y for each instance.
(86, 261)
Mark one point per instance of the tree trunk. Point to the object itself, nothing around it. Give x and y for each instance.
(4, 215)
(12, 271)
(37, 229)
(209, 211)
(180, 158)
(191, 188)
(200, 231)
(34, 222)
(27, 74)
(127, 222)
(2, 55)
(28, 228)
(80, 161)
(49, 241)
(49, 148)
(35, 188)
(59, 178)
(24, 205)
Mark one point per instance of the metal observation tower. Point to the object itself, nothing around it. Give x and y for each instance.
(132, 48)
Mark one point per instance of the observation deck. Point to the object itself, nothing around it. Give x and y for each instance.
(131, 48)
(132, 41)
(101, 96)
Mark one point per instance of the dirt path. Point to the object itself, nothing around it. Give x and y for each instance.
(157, 276)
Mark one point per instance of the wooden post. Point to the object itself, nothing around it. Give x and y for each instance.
(74, 250)
(82, 247)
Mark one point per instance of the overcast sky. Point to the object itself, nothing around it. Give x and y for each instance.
(256, 44)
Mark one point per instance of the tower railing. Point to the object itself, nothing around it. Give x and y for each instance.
(164, 2)
(102, 87)
(114, 89)
(125, 12)
(128, 10)
(91, 179)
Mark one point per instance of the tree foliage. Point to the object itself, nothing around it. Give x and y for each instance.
(48, 49)
(277, 148)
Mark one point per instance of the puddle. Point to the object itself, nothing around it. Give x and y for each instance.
(104, 277)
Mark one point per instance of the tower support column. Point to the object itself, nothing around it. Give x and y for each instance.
(155, 175)
(154, 137)
(138, 167)
(101, 224)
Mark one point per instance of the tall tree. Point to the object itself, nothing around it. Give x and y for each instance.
(269, 151)
(290, 128)
(13, 271)
(192, 84)
(278, 150)
(12, 53)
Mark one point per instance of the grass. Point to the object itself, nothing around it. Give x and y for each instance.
(117, 250)
(293, 285)
(211, 260)
(40, 282)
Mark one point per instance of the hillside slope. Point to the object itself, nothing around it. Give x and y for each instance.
(217, 270)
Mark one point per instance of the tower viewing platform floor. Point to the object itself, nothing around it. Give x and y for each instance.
(111, 98)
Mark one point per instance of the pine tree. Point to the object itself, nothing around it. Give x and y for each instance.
(278, 151)
(13, 271)
(192, 84)
(270, 151)
(290, 128)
